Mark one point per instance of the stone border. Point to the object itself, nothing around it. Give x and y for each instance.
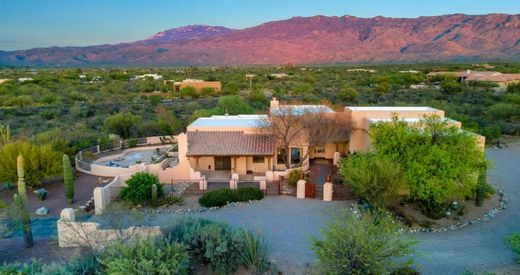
(164, 210)
(503, 204)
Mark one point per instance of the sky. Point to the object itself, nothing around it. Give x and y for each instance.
(27, 24)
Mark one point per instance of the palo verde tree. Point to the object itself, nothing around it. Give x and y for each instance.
(439, 160)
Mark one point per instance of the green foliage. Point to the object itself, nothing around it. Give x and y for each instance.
(42, 162)
(171, 200)
(302, 88)
(188, 91)
(347, 94)
(374, 178)
(151, 256)
(122, 124)
(255, 253)
(68, 180)
(218, 245)
(369, 244)
(439, 161)
(294, 176)
(139, 190)
(232, 105)
(223, 196)
(513, 242)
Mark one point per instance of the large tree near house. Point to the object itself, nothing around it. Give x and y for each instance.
(307, 125)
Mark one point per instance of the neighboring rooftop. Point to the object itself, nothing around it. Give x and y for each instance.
(231, 143)
(470, 75)
(301, 109)
(230, 121)
(392, 108)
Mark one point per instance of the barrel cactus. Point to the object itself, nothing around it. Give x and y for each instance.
(21, 200)
(68, 180)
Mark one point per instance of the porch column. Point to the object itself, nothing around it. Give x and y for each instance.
(234, 164)
(197, 163)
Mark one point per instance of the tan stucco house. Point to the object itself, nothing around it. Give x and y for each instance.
(198, 85)
(225, 145)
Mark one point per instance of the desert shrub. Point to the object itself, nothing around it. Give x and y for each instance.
(139, 188)
(171, 200)
(249, 194)
(365, 244)
(42, 162)
(294, 176)
(132, 143)
(219, 197)
(255, 253)
(150, 256)
(223, 196)
(216, 244)
(35, 267)
(513, 242)
(374, 178)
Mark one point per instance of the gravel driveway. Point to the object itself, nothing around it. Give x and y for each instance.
(287, 224)
(480, 247)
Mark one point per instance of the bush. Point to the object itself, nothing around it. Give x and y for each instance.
(216, 244)
(374, 178)
(294, 176)
(139, 188)
(42, 162)
(171, 200)
(513, 242)
(150, 256)
(368, 244)
(223, 196)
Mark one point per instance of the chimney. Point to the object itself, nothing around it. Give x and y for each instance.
(274, 102)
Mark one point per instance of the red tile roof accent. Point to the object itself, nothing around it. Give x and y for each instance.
(229, 143)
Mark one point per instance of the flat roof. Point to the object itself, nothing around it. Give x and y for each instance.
(392, 108)
(408, 120)
(302, 109)
(230, 121)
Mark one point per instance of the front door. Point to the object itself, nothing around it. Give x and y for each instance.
(222, 163)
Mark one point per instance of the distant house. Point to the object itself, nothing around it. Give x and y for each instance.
(145, 76)
(279, 75)
(4, 80)
(409, 72)
(503, 80)
(198, 85)
(23, 79)
(356, 70)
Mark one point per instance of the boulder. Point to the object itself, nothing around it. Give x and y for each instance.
(42, 211)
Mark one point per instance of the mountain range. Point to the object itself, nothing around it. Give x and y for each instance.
(302, 40)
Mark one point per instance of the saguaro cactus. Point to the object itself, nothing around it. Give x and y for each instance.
(21, 200)
(154, 195)
(5, 134)
(68, 180)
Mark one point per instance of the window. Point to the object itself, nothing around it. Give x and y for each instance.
(281, 155)
(258, 159)
(295, 155)
(319, 150)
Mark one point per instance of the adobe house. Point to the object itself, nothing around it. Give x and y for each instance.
(198, 85)
(288, 137)
(502, 80)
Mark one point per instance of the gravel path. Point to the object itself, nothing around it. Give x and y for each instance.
(480, 247)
